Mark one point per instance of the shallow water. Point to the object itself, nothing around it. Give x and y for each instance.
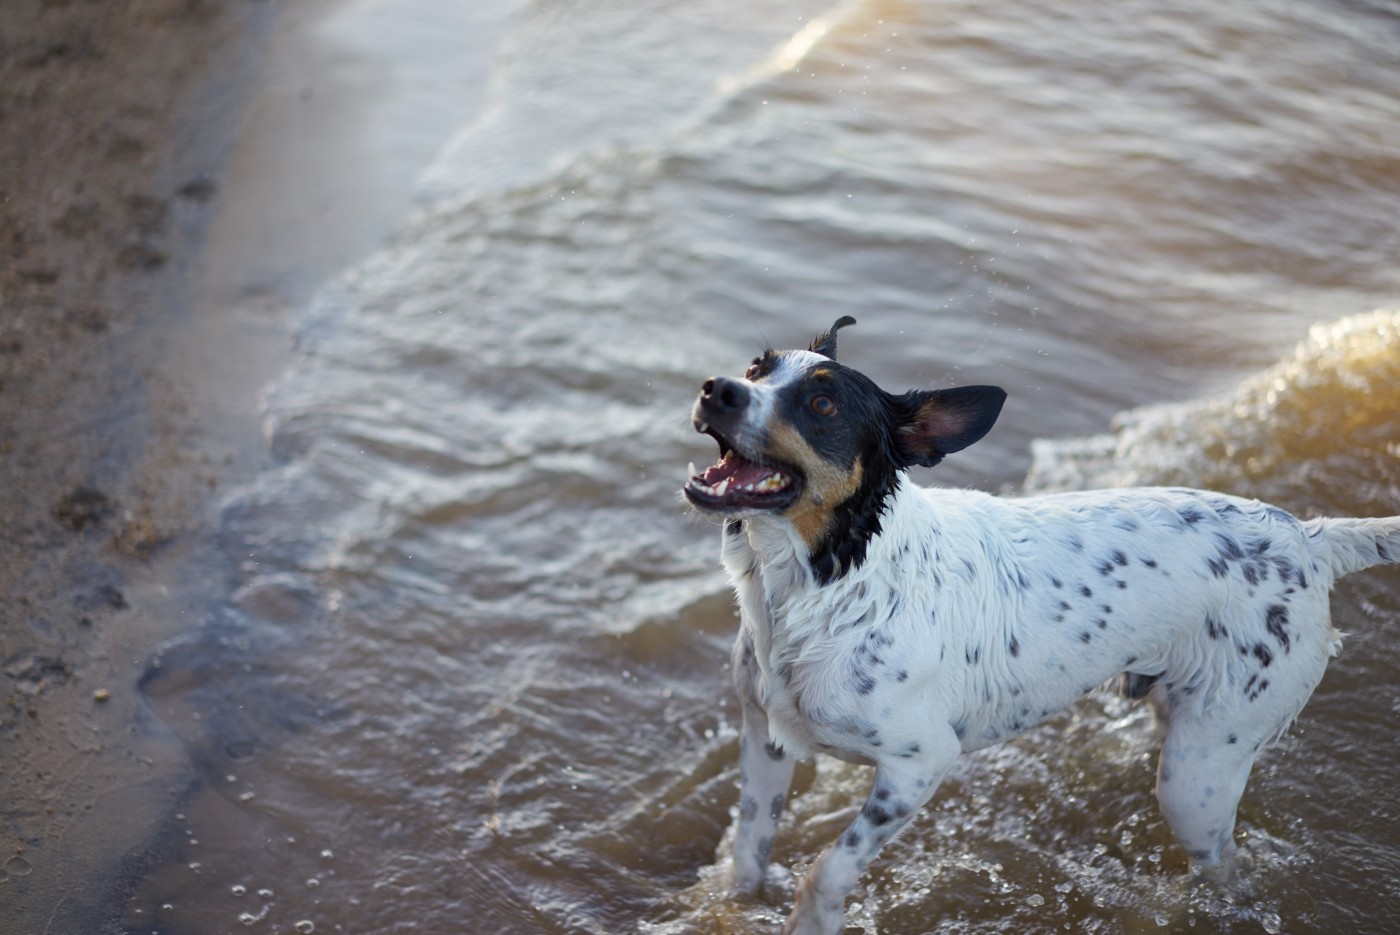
(471, 675)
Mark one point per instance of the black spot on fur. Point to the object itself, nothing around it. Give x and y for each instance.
(1150, 563)
(1232, 739)
(1119, 558)
(1214, 629)
(1015, 647)
(902, 676)
(774, 751)
(775, 807)
(876, 814)
(1217, 568)
(1085, 637)
(1056, 582)
(1229, 548)
(1086, 590)
(1276, 622)
(852, 840)
(1263, 654)
(1191, 516)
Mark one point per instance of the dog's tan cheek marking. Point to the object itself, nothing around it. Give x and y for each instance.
(827, 487)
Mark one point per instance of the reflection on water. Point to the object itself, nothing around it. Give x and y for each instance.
(471, 676)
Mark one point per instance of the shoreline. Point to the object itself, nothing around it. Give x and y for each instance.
(114, 135)
(181, 180)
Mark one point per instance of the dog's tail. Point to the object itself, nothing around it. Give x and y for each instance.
(1349, 545)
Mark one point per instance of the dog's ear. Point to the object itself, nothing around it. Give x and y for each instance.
(825, 343)
(935, 423)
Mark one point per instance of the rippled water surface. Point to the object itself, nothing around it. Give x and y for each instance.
(471, 672)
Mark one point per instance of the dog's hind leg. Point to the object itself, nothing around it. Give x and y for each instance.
(1200, 778)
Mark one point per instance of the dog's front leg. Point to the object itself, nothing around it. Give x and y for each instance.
(765, 771)
(902, 787)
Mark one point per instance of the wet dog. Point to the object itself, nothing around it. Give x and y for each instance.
(898, 626)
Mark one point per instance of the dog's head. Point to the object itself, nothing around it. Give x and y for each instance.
(818, 443)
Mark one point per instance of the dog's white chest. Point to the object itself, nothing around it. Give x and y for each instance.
(820, 650)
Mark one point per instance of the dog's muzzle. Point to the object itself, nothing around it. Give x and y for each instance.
(742, 479)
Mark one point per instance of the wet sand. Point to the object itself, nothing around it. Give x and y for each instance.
(176, 178)
(107, 194)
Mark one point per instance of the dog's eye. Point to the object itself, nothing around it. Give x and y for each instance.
(824, 405)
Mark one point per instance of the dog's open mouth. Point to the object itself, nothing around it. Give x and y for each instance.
(737, 483)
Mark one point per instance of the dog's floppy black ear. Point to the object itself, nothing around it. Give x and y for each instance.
(825, 343)
(939, 422)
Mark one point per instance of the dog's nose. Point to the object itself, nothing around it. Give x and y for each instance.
(721, 394)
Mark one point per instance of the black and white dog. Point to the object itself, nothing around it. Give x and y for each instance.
(898, 626)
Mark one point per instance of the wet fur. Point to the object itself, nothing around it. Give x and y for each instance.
(894, 625)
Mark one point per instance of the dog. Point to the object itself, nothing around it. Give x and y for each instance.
(898, 626)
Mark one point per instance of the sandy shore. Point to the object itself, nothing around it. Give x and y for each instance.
(177, 179)
(105, 193)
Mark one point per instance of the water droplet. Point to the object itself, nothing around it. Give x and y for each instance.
(312, 883)
(1035, 899)
(238, 889)
(265, 893)
(306, 926)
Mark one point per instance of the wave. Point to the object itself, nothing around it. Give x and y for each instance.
(1318, 429)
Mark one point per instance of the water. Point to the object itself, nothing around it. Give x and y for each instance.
(470, 675)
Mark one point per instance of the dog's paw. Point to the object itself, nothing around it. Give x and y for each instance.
(815, 914)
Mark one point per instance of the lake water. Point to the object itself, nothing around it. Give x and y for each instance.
(470, 674)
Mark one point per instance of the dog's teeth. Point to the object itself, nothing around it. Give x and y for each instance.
(703, 426)
(723, 486)
(693, 472)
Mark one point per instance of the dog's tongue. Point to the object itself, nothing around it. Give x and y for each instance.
(736, 470)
